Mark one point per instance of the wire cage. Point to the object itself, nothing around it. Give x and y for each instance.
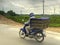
(39, 23)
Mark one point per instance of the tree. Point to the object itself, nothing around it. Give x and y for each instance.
(11, 13)
(2, 12)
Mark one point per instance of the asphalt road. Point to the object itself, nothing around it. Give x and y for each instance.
(9, 36)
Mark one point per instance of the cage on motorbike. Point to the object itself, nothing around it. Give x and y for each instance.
(39, 23)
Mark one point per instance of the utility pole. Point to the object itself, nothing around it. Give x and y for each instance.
(21, 12)
(43, 6)
(54, 10)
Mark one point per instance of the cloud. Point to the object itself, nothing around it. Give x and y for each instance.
(29, 5)
(16, 4)
(35, 1)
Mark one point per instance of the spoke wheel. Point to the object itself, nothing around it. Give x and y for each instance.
(39, 37)
(21, 34)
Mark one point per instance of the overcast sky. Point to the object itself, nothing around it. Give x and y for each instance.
(27, 6)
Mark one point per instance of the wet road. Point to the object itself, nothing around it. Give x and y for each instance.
(9, 36)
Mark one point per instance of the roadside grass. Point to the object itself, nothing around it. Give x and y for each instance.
(54, 19)
(54, 25)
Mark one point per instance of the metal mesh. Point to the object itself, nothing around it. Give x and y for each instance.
(39, 23)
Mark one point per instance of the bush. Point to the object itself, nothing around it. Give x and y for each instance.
(2, 12)
(54, 20)
(11, 13)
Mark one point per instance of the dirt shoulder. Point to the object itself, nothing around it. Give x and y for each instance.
(55, 29)
(4, 20)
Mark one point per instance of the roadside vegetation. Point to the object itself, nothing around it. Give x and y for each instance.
(21, 18)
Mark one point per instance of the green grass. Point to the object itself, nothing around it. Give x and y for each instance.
(54, 25)
(18, 18)
(54, 19)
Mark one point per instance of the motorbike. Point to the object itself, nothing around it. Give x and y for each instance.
(36, 31)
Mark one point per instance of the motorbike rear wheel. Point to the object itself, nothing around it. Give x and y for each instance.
(21, 34)
(39, 37)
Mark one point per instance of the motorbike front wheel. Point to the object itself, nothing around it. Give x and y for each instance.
(21, 34)
(39, 37)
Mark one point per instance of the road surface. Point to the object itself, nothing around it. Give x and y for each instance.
(9, 36)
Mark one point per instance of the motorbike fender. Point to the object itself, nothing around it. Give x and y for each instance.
(40, 31)
(23, 30)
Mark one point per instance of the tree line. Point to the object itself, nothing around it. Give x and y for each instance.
(10, 12)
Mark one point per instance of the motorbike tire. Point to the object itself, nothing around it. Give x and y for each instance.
(21, 34)
(39, 37)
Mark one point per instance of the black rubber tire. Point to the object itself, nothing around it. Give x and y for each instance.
(36, 38)
(21, 34)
